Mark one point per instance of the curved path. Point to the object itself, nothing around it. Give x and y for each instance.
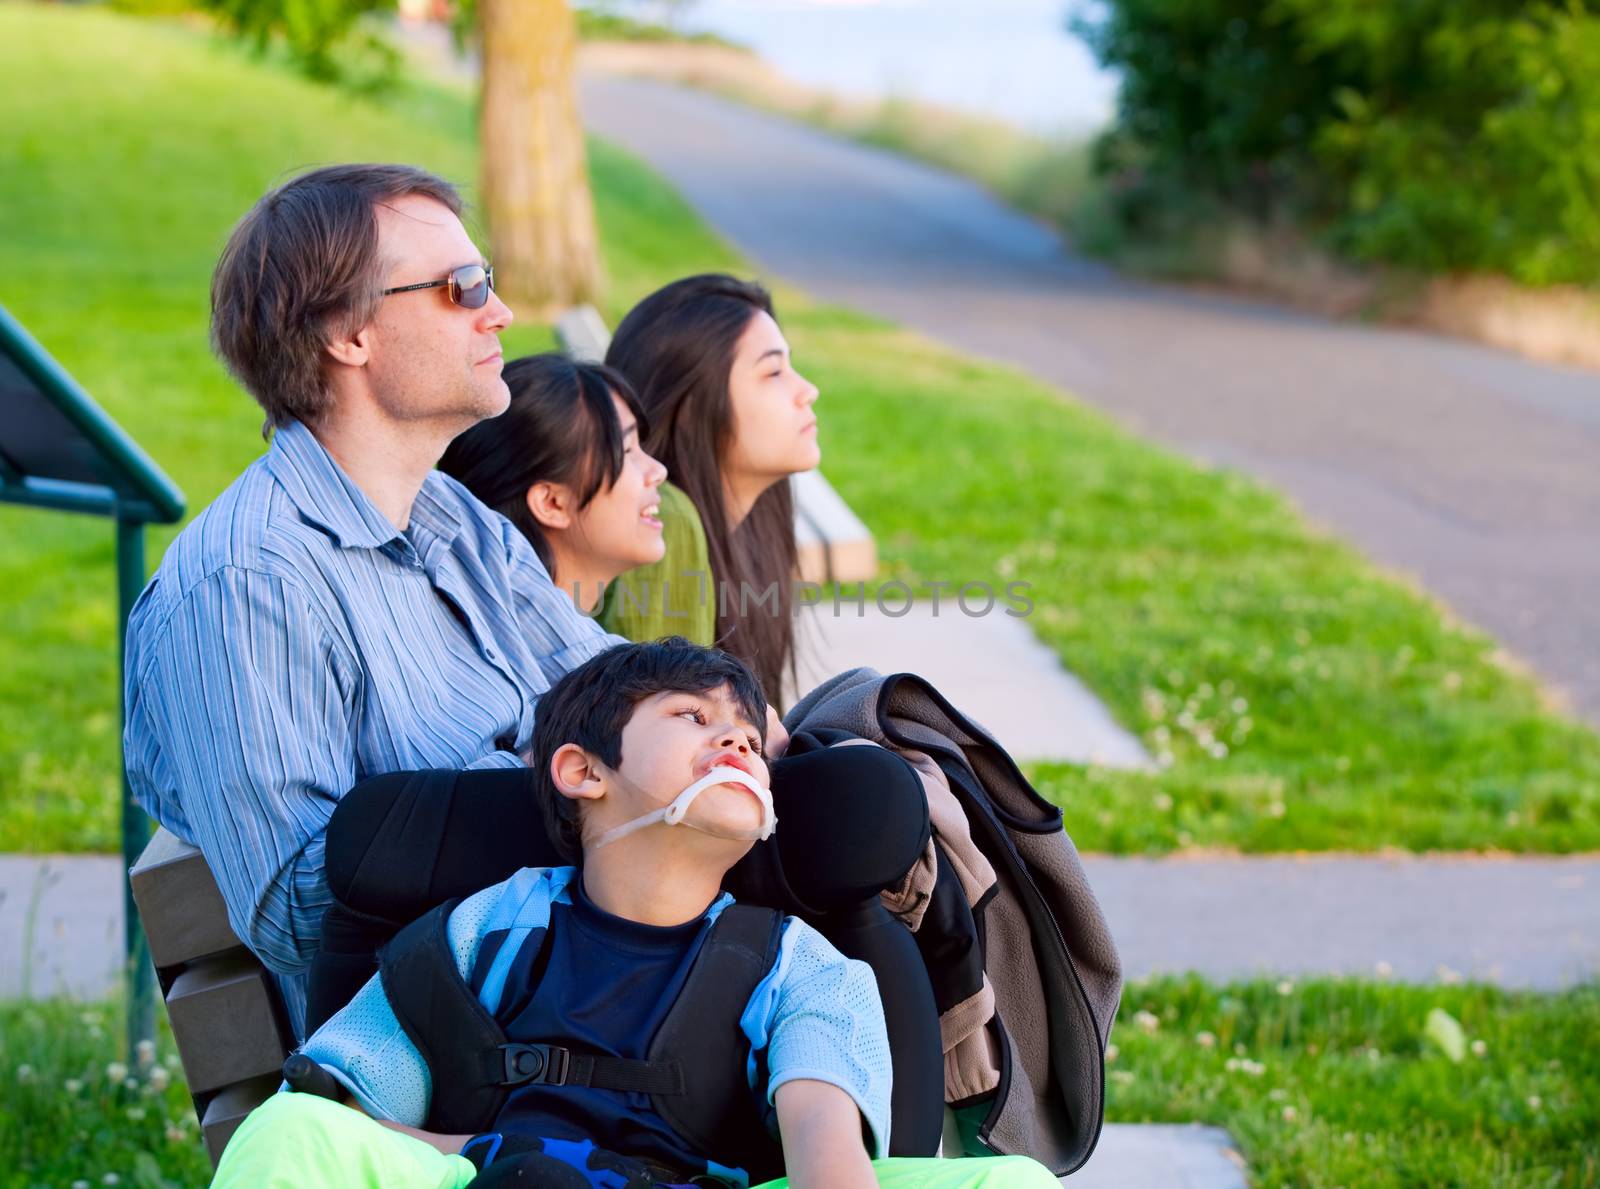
(1474, 470)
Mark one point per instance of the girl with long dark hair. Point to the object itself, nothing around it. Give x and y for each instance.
(732, 419)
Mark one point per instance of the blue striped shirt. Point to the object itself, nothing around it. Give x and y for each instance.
(293, 643)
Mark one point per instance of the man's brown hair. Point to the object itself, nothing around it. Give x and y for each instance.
(302, 266)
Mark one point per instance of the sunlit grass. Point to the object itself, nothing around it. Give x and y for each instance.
(1295, 697)
(74, 1113)
(1324, 1082)
(1336, 1082)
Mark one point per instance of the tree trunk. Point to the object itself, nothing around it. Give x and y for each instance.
(535, 179)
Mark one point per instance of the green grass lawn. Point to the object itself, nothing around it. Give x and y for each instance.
(1323, 1083)
(1296, 697)
(1333, 1082)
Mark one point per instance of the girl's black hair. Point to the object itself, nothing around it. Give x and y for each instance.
(677, 346)
(560, 427)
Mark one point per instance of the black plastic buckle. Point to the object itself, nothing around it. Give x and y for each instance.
(545, 1064)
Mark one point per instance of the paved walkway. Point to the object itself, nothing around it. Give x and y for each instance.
(1518, 922)
(1474, 469)
(1525, 922)
(991, 664)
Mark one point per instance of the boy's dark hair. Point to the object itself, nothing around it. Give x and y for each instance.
(590, 705)
(302, 265)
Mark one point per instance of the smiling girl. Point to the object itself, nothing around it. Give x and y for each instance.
(564, 464)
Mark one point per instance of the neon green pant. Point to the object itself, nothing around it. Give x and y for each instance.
(299, 1141)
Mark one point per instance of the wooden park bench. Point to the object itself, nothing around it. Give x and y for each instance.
(227, 1016)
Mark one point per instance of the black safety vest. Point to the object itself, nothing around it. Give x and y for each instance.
(694, 1070)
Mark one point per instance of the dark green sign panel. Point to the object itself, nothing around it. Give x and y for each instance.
(59, 450)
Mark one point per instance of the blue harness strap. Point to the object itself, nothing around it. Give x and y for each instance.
(694, 1070)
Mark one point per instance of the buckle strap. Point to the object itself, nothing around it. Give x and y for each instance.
(552, 1065)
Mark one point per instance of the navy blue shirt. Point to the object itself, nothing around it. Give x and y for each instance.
(606, 986)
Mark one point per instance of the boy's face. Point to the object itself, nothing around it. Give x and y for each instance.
(671, 741)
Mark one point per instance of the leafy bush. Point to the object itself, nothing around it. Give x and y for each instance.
(1441, 135)
(326, 39)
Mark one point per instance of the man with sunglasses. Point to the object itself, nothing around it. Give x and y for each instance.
(342, 610)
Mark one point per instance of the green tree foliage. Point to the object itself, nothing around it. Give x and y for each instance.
(1442, 135)
(325, 38)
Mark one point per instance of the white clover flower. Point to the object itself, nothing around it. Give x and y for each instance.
(80, 1185)
(1240, 705)
(1112, 1053)
(173, 1062)
(1382, 969)
(24, 1073)
(1206, 1040)
(72, 1085)
(176, 1134)
(145, 1053)
(135, 1114)
(1146, 1021)
(1479, 1049)
(160, 1079)
(111, 1178)
(1276, 809)
(1162, 802)
(130, 1083)
(1289, 1114)
(1535, 1102)
(116, 1071)
(1286, 987)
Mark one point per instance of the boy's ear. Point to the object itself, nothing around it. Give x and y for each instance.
(551, 504)
(576, 773)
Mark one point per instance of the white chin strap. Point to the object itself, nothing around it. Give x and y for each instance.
(673, 814)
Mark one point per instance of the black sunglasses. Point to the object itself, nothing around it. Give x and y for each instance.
(470, 286)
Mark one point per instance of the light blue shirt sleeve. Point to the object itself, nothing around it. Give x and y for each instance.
(242, 694)
(363, 1044)
(819, 1017)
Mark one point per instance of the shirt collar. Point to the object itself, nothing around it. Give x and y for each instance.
(323, 493)
(432, 510)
